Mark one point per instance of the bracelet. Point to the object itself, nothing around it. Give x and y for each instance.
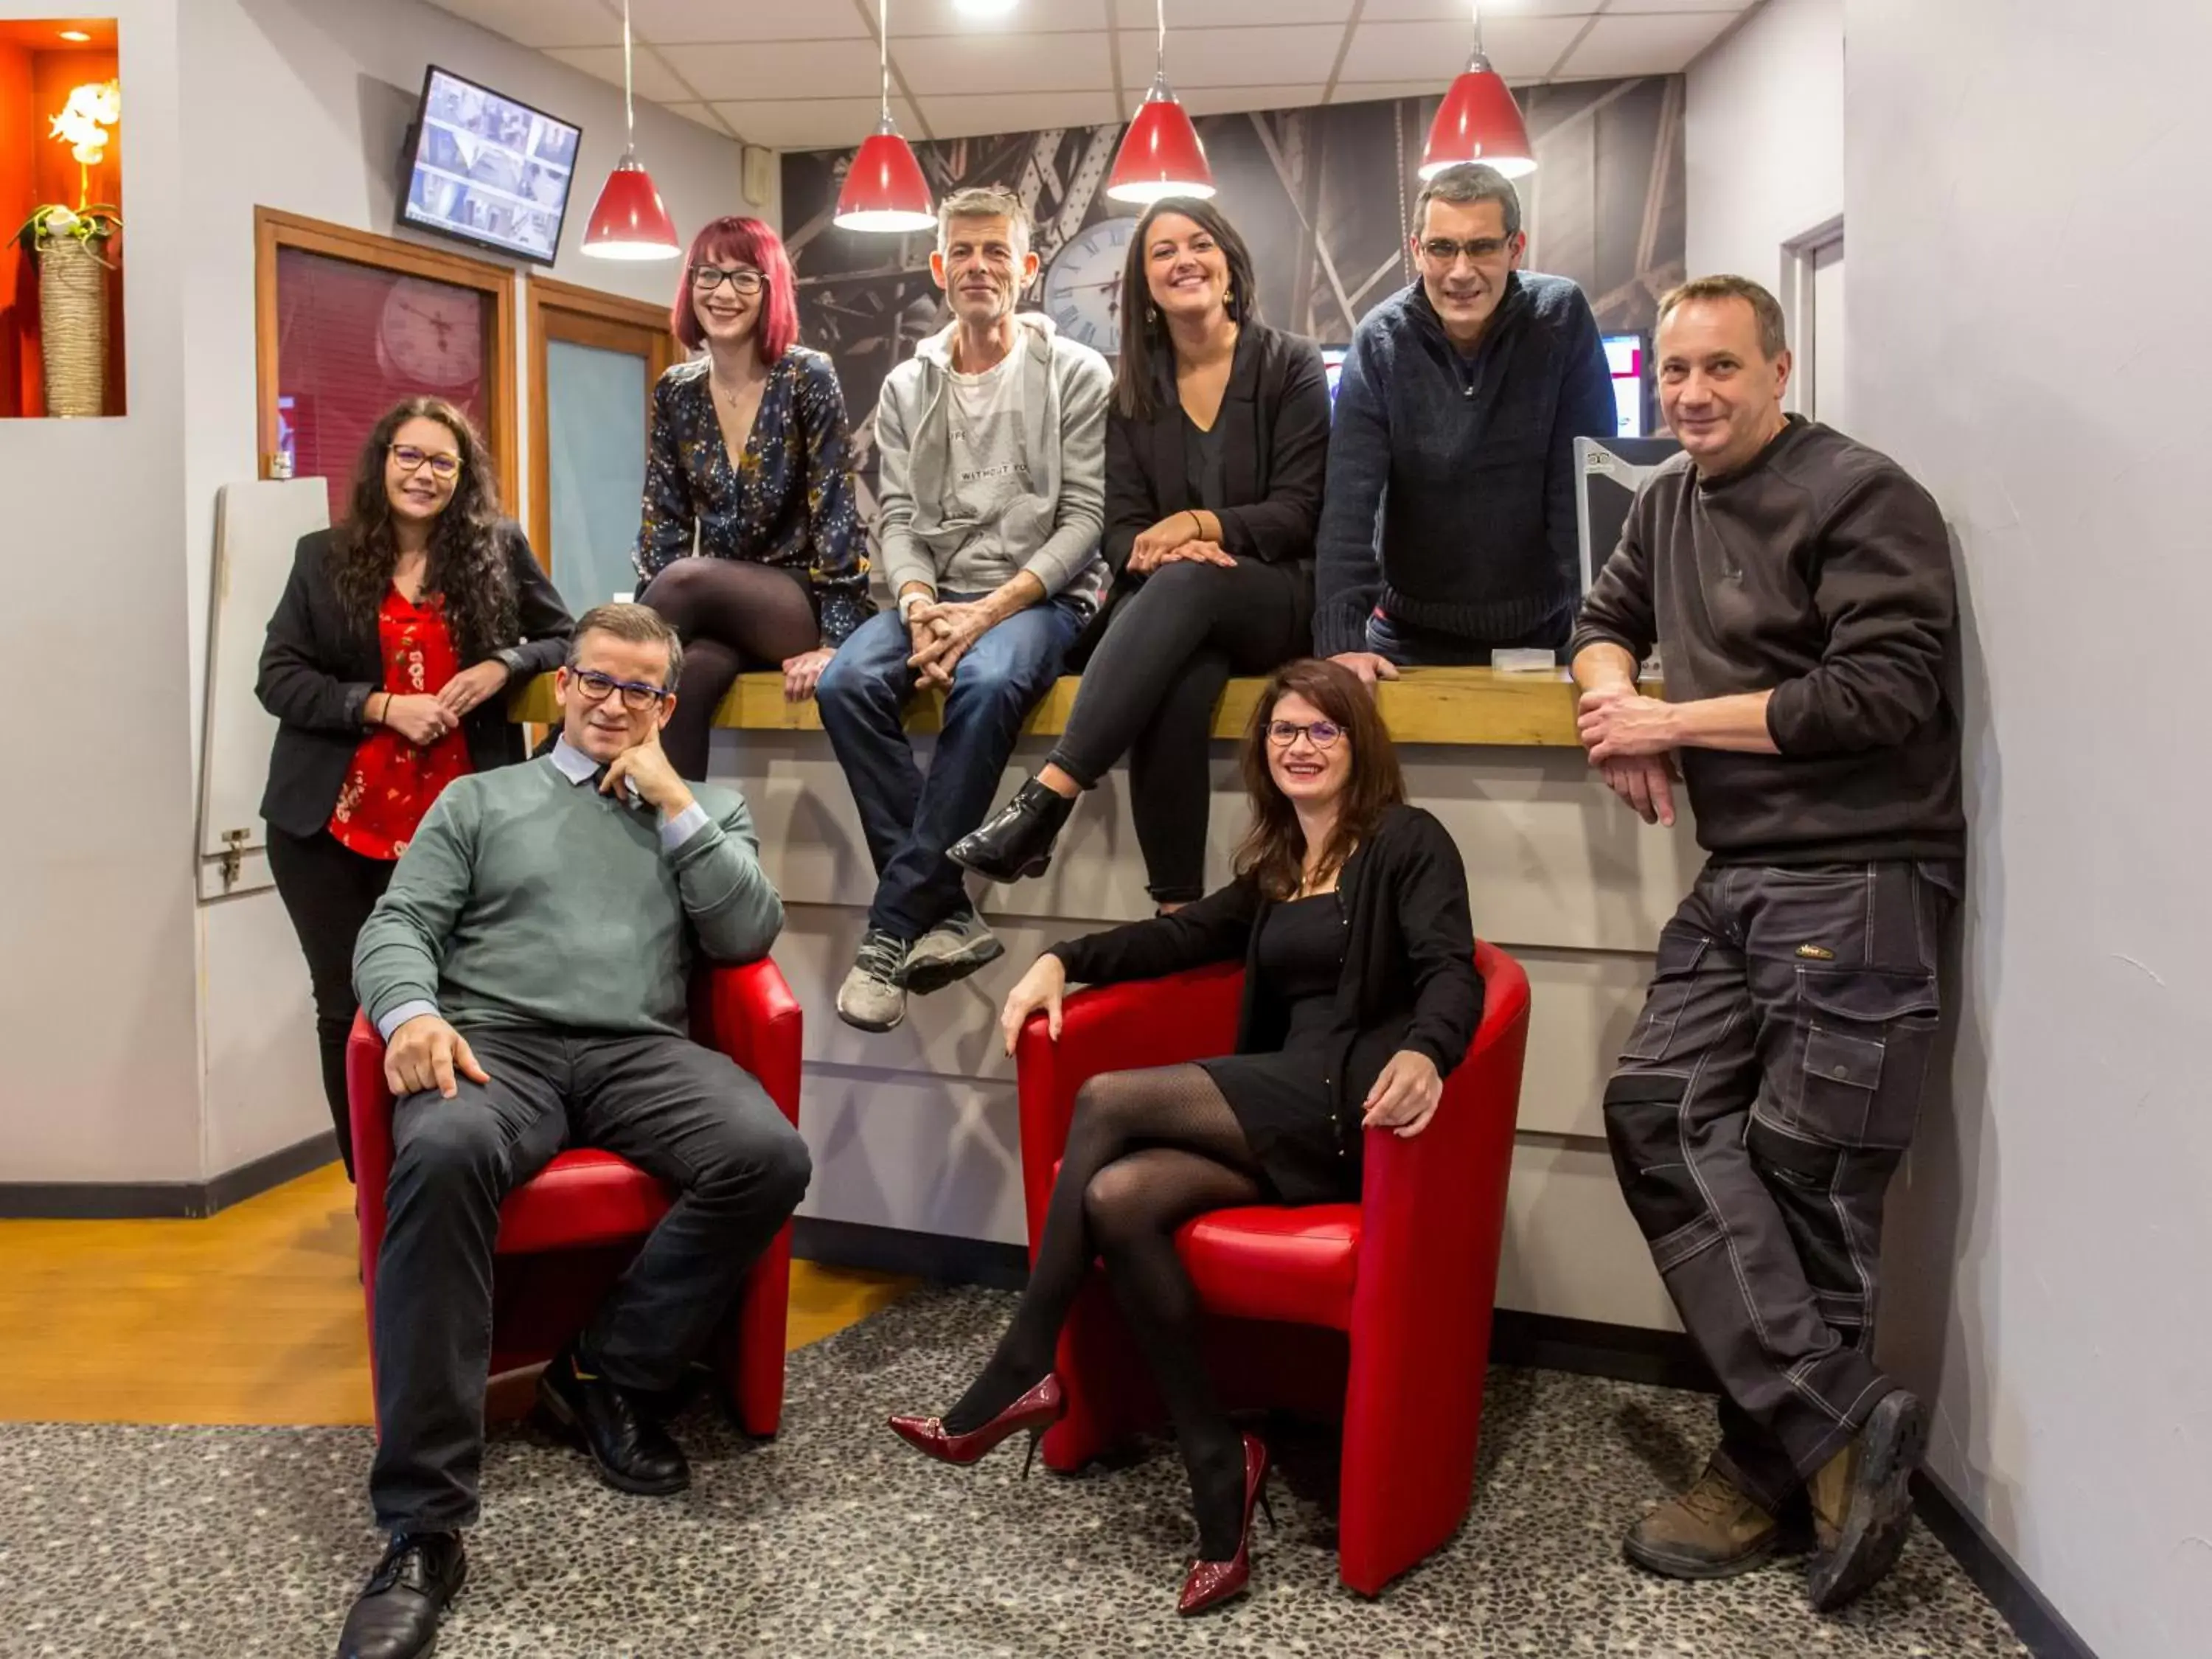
(907, 600)
(1198, 522)
(375, 720)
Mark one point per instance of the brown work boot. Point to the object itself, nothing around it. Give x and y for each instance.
(1862, 1502)
(1711, 1531)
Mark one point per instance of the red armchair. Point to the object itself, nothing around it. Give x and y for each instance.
(567, 1234)
(1379, 1312)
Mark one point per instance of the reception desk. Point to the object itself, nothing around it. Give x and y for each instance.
(914, 1129)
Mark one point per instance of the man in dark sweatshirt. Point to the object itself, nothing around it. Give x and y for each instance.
(1798, 585)
(1448, 525)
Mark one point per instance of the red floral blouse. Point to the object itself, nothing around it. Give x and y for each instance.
(392, 782)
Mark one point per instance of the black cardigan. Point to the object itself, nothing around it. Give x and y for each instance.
(1274, 425)
(1409, 979)
(318, 671)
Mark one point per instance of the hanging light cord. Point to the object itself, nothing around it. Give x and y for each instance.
(1474, 6)
(1160, 57)
(884, 52)
(629, 109)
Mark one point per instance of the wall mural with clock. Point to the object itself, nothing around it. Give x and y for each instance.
(1321, 195)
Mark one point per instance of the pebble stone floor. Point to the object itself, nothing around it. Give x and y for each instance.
(837, 1541)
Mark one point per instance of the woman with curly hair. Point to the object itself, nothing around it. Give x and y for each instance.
(398, 629)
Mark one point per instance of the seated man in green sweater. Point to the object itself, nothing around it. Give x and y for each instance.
(529, 969)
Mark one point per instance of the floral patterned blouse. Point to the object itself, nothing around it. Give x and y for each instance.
(788, 503)
(391, 783)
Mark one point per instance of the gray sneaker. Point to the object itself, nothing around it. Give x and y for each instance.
(872, 997)
(952, 950)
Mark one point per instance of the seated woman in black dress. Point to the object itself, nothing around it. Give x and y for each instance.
(1216, 446)
(1350, 914)
(749, 453)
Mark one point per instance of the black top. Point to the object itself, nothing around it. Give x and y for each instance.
(1451, 481)
(1206, 464)
(1409, 978)
(317, 671)
(1819, 572)
(1273, 432)
(789, 502)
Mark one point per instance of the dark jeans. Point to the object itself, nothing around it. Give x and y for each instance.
(683, 1113)
(1421, 647)
(1149, 692)
(328, 891)
(910, 819)
(1763, 1101)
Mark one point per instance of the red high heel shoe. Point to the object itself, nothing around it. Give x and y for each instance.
(1209, 1584)
(1035, 1411)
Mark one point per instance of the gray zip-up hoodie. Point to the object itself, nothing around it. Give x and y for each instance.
(1052, 532)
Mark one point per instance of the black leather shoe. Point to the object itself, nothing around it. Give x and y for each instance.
(1017, 840)
(633, 1453)
(397, 1613)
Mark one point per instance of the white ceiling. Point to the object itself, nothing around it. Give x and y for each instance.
(802, 74)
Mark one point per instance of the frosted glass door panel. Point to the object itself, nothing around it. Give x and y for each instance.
(595, 403)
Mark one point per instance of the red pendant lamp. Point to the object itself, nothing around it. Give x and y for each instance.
(1160, 155)
(884, 189)
(1478, 121)
(630, 221)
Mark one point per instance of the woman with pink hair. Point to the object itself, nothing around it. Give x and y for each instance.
(750, 545)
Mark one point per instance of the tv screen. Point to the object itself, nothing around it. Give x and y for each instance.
(488, 170)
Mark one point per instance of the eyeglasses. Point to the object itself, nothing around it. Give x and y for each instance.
(1324, 734)
(594, 687)
(412, 459)
(705, 279)
(1441, 251)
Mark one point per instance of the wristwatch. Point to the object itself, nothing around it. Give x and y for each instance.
(908, 601)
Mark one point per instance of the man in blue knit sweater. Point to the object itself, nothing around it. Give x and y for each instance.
(1448, 528)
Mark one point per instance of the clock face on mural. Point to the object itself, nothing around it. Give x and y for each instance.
(432, 333)
(1082, 288)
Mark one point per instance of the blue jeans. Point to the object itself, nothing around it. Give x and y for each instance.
(910, 819)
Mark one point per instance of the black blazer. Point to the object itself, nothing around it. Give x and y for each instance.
(1274, 422)
(317, 671)
(1409, 979)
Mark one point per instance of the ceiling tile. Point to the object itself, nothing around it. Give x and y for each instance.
(543, 23)
(1655, 43)
(719, 20)
(1234, 101)
(1520, 49)
(653, 80)
(1005, 65)
(1623, 7)
(1493, 11)
(1209, 13)
(1232, 57)
(813, 123)
(1369, 92)
(980, 115)
(702, 113)
(779, 69)
(913, 17)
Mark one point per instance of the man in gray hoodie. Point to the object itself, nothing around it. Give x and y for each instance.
(992, 446)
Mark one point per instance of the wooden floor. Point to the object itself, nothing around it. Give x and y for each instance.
(252, 1315)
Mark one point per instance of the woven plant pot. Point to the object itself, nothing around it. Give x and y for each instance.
(73, 325)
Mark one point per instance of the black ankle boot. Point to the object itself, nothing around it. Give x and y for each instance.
(633, 1454)
(1017, 840)
(396, 1615)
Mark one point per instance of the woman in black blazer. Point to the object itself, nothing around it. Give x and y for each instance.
(1215, 447)
(385, 666)
(1350, 914)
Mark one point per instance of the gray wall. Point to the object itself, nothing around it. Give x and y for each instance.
(2026, 201)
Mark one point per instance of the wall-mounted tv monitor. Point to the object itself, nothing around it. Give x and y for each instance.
(1623, 356)
(488, 170)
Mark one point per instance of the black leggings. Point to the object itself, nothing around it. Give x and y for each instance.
(1146, 1152)
(731, 616)
(328, 891)
(1149, 689)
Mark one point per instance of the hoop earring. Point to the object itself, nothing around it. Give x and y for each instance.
(1152, 316)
